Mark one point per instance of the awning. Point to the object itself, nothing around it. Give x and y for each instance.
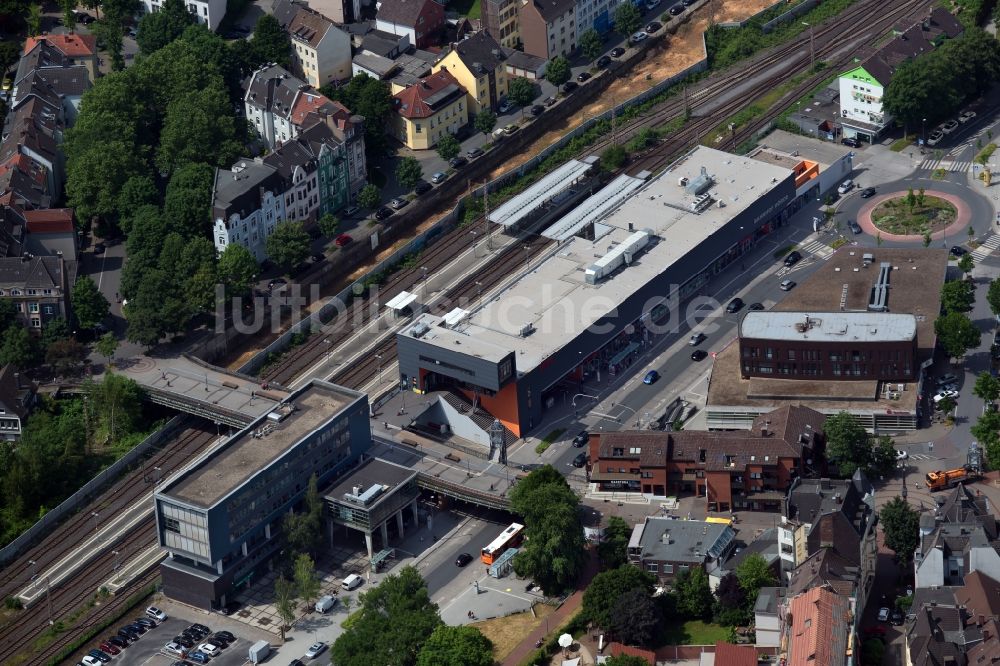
(623, 354)
(401, 300)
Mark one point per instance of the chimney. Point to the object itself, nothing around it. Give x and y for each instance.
(837, 498)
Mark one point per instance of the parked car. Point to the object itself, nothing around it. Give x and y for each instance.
(175, 649)
(569, 87)
(897, 618)
(949, 126)
(688, 3)
(505, 106)
(146, 622)
(958, 250)
(383, 213)
(883, 614)
(756, 307)
(581, 439)
(676, 10)
(793, 258)
(846, 186)
(460, 561)
(473, 153)
(603, 61)
(617, 52)
(537, 110)
(549, 101)
(698, 355)
(651, 377)
(653, 26)
(946, 379)
(184, 641)
(118, 642)
(226, 636)
(349, 212)
(652, 4)
(100, 656)
(438, 177)
(582, 77)
(854, 226)
(510, 129)
(966, 116)
(209, 649)
(868, 193)
(342, 240)
(398, 202)
(90, 661)
(457, 162)
(580, 460)
(943, 395)
(198, 656)
(110, 648)
(787, 285)
(735, 305)
(422, 188)
(638, 36)
(935, 138)
(697, 339)
(851, 141)
(99, 248)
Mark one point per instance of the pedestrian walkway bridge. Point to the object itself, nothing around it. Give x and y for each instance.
(190, 385)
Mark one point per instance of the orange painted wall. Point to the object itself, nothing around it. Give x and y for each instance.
(805, 171)
(503, 406)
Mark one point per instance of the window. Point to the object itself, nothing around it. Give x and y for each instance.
(652, 567)
(36, 323)
(668, 568)
(32, 292)
(33, 307)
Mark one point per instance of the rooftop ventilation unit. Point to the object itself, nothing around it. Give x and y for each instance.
(360, 496)
(527, 330)
(701, 183)
(880, 292)
(701, 203)
(419, 330)
(618, 256)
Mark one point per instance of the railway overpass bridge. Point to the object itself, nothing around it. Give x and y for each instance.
(191, 385)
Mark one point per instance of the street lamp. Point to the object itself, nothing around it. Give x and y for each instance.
(424, 269)
(95, 516)
(473, 234)
(812, 46)
(923, 131)
(379, 357)
(479, 292)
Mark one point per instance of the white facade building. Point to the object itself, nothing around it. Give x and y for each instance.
(206, 12)
(248, 201)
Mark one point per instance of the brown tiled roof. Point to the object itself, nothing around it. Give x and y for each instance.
(49, 220)
(987, 653)
(73, 45)
(401, 12)
(980, 595)
(819, 628)
(424, 99)
(727, 654)
(307, 25)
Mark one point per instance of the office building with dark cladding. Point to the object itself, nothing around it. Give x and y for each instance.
(220, 518)
(613, 281)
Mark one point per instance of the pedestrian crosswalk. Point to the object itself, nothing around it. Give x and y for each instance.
(955, 166)
(921, 456)
(821, 250)
(987, 248)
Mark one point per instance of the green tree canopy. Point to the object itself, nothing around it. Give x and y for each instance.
(626, 660)
(754, 573)
(456, 645)
(613, 548)
(270, 41)
(106, 346)
(89, 303)
(65, 355)
(613, 157)
(188, 201)
(957, 296)
(635, 618)
(694, 596)
(591, 44)
(627, 18)
(409, 172)
(882, 460)
(307, 583)
(520, 91)
(304, 528)
(986, 430)
(328, 225)
(987, 387)
(448, 147)
(901, 526)
(237, 269)
(485, 121)
(284, 602)
(608, 586)
(372, 99)
(846, 443)
(993, 296)
(158, 29)
(558, 71)
(966, 263)
(369, 196)
(288, 245)
(731, 602)
(395, 620)
(956, 334)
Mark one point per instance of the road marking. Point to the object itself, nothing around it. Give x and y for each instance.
(987, 247)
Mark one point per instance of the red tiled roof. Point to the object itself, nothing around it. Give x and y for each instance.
(310, 101)
(49, 220)
(727, 654)
(413, 101)
(819, 628)
(74, 46)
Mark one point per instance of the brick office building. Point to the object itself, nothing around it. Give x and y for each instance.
(749, 470)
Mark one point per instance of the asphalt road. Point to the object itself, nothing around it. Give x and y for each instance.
(446, 571)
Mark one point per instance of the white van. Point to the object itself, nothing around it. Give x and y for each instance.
(325, 603)
(352, 582)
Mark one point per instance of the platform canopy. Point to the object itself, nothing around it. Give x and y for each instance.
(401, 301)
(533, 198)
(455, 316)
(594, 208)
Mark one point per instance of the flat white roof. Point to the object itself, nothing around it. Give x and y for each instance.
(594, 208)
(553, 183)
(829, 326)
(554, 297)
(401, 300)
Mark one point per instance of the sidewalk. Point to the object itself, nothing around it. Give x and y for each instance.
(557, 619)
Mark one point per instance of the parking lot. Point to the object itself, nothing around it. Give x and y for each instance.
(147, 649)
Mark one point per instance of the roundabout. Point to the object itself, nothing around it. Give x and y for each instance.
(892, 217)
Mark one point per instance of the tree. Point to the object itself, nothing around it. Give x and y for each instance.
(409, 172)
(456, 645)
(237, 269)
(731, 602)
(558, 71)
(613, 157)
(448, 147)
(109, 30)
(947, 405)
(307, 583)
(901, 526)
(371, 98)
(55, 330)
(328, 225)
(993, 296)
(927, 239)
(64, 355)
(284, 600)
(158, 29)
(89, 303)
(846, 443)
(613, 547)
(882, 459)
(136, 192)
(187, 204)
(872, 651)
(288, 244)
(17, 348)
(627, 19)
(116, 408)
(957, 296)
(270, 41)
(304, 529)
(369, 196)
(591, 44)
(106, 346)
(520, 91)
(8, 315)
(605, 589)
(635, 618)
(987, 387)
(966, 263)
(694, 596)
(394, 621)
(69, 14)
(485, 121)
(34, 20)
(198, 126)
(986, 430)
(956, 333)
(754, 573)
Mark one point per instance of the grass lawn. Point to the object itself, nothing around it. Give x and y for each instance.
(507, 632)
(694, 632)
(896, 216)
(468, 8)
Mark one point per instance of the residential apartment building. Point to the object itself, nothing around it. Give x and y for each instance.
(863, 86)
(829, 346)
(321, 51)
(958, 539)
(500, 20)
(51, 231)
(38, 288)
(819, 631)
(75, 49)
(957, 624)
(17, 396)
(248, 201)
(428, 110)
(220, 519)
(732, 470)
(478, 64)
(596, 14)
(422, 21)
(206, 12)
(548, 27)
(666, 547)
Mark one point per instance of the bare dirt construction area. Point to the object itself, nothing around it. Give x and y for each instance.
(675, 54)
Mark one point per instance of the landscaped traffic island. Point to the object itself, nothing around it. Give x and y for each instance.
(913, 214)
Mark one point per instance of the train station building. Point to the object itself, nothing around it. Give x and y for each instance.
(220, 519)
(624, 260)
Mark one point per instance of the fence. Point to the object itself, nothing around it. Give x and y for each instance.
(112, 473)
(793, 13)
